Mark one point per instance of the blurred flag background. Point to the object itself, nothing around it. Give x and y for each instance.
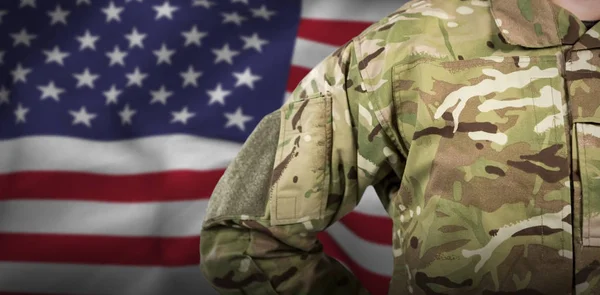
(118, 117)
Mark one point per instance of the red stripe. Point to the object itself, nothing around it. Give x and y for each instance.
(375, 283)
(90, 249)
(151, 187)
(371, 228)
(296, 75)
(333, 32)
(95, 249)
(140, 251)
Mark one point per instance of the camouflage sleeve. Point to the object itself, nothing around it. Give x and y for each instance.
(304, 167)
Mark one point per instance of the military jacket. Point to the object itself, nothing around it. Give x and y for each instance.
(478, 125)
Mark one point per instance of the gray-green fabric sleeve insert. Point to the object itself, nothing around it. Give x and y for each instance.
(244, 188)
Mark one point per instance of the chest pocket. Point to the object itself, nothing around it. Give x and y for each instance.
(583, 76)
(587, 155)
(487, 165)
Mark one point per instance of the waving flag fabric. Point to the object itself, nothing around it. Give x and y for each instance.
(118, 117)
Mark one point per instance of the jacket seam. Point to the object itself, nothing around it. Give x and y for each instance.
(386, 126)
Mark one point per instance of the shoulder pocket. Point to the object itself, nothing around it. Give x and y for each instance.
(300, 182)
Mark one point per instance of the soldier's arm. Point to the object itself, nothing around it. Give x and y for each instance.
(304, 167)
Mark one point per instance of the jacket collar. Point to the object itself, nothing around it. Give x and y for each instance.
(539, 24)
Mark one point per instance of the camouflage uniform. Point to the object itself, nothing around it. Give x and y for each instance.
(478, 124)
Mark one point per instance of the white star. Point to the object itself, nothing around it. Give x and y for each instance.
(263, 12)
(27, 3)
(87, 41)
(190, 77)
(136, 77)
(20, 113)
(218, 95)
(2, 13)
(50, 91)
(58, 15)
(163, 55)
(84, 1)
(86, 79)
(4, 95)
(193, 36)
(126, 114)
(82, 117)
(246, 78)
(254, 42)
(225, 54)
(165, 10)
(182, 116)
(237, 119)
(112, 94)
(113, 12)
(56, 56)
(20, 74)
(2, 57)
(204, 3)
(22, 38)
(160, 95)
(240, 1)
(116, 56)
(135, 38)
(233, 17)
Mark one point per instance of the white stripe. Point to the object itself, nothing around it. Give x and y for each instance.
(287, 96)
(151, 154)
(167, 219)
(352, 10)
(164, 219)
(370, 204)
(370, 256)
(97, 279)
(308, 54)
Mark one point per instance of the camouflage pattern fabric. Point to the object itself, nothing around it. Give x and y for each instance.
(478, 124)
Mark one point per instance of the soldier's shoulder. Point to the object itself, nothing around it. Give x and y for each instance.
(427, 28)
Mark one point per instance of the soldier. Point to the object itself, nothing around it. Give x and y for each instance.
(478, 124)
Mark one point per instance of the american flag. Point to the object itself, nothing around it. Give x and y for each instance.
(118, 117)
